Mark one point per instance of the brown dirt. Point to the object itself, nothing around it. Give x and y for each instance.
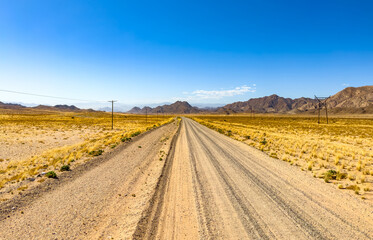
(219, 188)
(103, 201)
(209, 187)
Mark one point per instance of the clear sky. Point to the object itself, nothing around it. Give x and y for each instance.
(200, 51)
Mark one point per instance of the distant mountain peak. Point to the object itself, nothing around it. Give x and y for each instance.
(349, 100)
(178, 107)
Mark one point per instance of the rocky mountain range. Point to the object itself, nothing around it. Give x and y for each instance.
(179, 107)
(349, 100)
(269, 104)
(64, 108)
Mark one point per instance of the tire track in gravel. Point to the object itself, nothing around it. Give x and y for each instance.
(291, 210)
(277, 196)
(106, 201)
(248, 216)
(240, 193)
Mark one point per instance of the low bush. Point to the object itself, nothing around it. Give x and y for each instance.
(51, 174)
(96, 152)
(125, 139)
(65, 168)
(135, 134)
(264, 141)
(331, 174)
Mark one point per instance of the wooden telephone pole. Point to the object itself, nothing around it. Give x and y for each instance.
(112, 113)
(320, 104)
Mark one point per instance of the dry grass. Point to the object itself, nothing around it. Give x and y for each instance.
(345, 145)
(35, 143)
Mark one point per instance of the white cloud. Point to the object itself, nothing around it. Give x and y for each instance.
(218, 94)
(345, 84)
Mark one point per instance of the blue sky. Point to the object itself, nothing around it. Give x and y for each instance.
(202, 51)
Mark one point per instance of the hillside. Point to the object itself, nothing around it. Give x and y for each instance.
(67, 108)
(349, 100)
(269, 104)
(135, 110)
(179, 107)
(11, 106)
(351, 97)
(18, 108)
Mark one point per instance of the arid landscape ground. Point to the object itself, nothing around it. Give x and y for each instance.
(186, 120)
(242, 176)
(32, 144)
(340, 152)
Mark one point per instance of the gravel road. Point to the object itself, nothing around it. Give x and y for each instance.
(219, 188)
(209, 187)
(105, 202)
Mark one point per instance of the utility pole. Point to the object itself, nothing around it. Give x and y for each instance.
(112, 113)
(321, 102)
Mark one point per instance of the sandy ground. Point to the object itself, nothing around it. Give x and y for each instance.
(18, 144)
(105, 202)
(209, 187)
(219, 188)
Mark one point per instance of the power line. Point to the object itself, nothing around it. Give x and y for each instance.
(48, 96)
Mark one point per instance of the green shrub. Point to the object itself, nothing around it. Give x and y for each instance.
(125, 139)
(264, 142)
(332, 174)
(51, 174)
(65, 168)
(135, 134)
(96, 152)
(340, 176)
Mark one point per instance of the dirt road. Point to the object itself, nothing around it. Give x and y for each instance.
(219, 188)
(209, 187)
(105, 202)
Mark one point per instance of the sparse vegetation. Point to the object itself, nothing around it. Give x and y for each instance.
(96, 152)
(65, 168)
(62, 138)
(135, 133)
(51, 174)
(126, 139)
(339, 151)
